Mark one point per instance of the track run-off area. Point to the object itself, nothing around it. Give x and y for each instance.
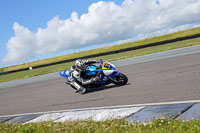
(162, 77)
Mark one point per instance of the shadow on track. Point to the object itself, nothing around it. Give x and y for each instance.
(91, 90)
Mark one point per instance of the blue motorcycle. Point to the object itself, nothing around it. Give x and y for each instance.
(108, 75)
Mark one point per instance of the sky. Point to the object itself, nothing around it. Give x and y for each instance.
(33, 30)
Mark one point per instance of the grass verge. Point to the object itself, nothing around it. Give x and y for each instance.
(123, 55)
(107, 49)
(113, 126)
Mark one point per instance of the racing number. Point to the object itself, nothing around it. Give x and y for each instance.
(106, 65)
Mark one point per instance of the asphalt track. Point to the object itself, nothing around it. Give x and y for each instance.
(164, 80)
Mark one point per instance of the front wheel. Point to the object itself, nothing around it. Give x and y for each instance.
(121, 79)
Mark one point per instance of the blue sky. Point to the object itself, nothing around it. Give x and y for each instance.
(36, 13)
(32, 24)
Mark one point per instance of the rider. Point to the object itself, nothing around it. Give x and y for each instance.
(77, 74)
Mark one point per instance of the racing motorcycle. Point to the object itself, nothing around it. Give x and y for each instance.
(108, 75)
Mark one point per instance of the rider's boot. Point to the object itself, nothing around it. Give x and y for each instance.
(80, 88)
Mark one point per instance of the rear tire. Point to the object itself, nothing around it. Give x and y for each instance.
(121, 79)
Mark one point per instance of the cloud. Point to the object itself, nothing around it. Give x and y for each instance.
(22, 46)
(105, 22)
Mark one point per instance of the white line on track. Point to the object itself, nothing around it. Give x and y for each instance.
(108, 107)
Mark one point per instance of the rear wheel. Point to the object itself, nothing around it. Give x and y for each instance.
(121, 79)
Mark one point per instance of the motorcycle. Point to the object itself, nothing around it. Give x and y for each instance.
(108, 75)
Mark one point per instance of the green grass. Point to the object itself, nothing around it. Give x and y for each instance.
(109, 126)
(134, 53)
(1, 69)
(107, 49)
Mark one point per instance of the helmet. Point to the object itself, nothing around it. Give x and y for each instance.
(80, 64)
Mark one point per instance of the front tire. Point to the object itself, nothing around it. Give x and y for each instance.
(121, 79)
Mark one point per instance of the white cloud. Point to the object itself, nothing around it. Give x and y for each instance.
(22, 46)
(105, 22)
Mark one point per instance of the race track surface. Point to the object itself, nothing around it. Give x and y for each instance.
(166, 80)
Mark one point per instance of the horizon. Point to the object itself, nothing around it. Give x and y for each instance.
(73, 26)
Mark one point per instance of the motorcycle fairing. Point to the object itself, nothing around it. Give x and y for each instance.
(65, 73)
(107, 66)
(104, 80)
(91, 70)
(114, 74)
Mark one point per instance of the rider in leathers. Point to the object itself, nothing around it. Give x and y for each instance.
(77, 75)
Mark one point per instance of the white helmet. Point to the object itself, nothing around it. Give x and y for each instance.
(80, 64)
